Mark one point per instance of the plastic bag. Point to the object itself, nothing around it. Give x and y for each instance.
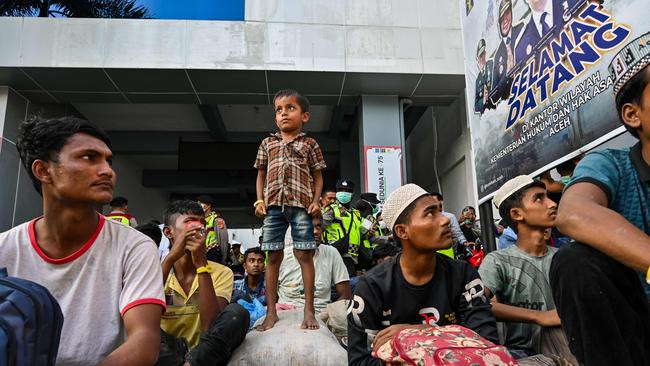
(255, 309)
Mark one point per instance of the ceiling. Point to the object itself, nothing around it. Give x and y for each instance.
(163, 121)
(163, 86)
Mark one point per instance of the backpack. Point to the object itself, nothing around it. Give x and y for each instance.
(30, 323)
(447, 345)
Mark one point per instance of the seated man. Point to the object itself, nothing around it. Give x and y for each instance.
(252, 286)
(418, 288)
(330, 270)
(606, 209)
(517, 277)
(104, 275)
(197, 292)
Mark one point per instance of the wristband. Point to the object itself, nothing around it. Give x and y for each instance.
(647, 276)
(257, 203)
(204, 269)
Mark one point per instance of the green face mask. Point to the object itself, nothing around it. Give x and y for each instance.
(344, 197)
(375, 209)
(565, 179)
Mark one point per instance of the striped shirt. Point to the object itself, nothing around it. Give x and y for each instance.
(288, 169)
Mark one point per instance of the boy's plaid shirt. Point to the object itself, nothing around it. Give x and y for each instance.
(288, 169)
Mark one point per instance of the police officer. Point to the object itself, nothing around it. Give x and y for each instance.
(216, 239)
(119, 205)
(340, 220)
(504, 58)
(372, 232)
(546, 20)
(483, 79)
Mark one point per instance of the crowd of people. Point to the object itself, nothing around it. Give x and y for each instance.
(176, 292)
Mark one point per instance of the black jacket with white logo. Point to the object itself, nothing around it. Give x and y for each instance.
(384, 298)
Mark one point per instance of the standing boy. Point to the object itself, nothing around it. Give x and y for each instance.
(289, 184)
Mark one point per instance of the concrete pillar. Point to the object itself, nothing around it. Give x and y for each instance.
(19, 201)
(381, 125)
(13, 109)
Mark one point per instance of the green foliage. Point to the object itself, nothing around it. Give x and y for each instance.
(74, 9)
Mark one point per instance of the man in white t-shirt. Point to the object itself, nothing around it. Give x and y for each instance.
(106, 276)
(330, 270)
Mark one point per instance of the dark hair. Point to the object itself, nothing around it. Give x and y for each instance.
(566, 167)
(151, 230)
(327, 190)
(632, 92)
(253, 250)
(515, 201)
(384, 250)
(43, 139)
(317, 220)
(119, 202)
(364, 207)
(303, 102)
(467, 208)
(180, 207)
(437, 195)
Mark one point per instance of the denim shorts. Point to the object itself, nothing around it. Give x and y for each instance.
(277, 221)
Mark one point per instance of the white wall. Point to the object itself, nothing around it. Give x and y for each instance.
(455, 156)
(391, 36)
(456, 179)
(144, 203)
(420, 148)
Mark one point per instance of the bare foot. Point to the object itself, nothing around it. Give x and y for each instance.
(309, 322)
(268, 323)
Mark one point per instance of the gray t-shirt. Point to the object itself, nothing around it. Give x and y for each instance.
(116, 270)
(519, 279)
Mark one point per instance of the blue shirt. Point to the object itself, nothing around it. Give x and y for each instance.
(625, 178)
(507, 239)
(241, 289)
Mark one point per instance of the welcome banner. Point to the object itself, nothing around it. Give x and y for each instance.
(539, 84)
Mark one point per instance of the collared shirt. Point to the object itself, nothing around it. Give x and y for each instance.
(259, 292)
(182, 318)
(288, 169)
(625, 178)
(537, 17)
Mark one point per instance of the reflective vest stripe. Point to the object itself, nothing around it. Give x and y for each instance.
(337, 229)
(449, 252)
(121, 219)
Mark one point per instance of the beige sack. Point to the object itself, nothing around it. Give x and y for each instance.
(287, 344)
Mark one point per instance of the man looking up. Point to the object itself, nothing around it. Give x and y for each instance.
(418, 288)
(105, 276)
